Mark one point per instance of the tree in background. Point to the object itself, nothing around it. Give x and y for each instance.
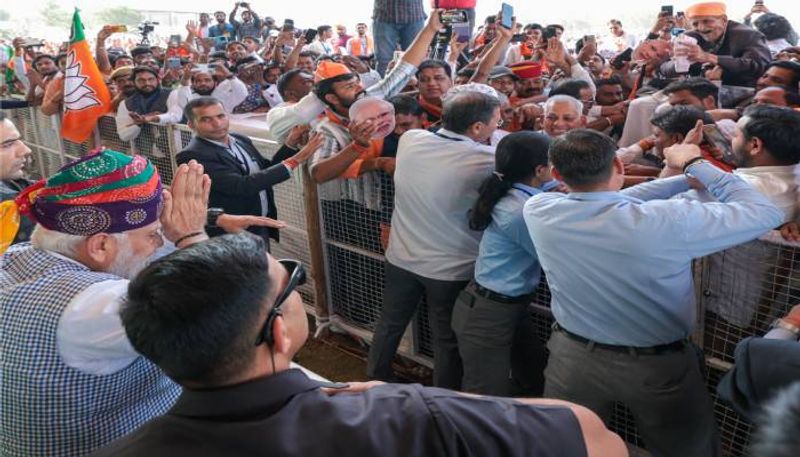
(121, 15)
(54, 15)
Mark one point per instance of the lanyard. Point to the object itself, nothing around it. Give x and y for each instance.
(448, 137)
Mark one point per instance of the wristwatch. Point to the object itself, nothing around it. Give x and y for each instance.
(786, 325)
(212, 215)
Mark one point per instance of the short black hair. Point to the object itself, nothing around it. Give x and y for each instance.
(199, 102)
(557, 26)
(680, 119)
(406, 104)
(463, 109)
(311, 54)
(774, 27)
(699, 87)
(794, 67)
(138, 50)
(533, 26)
(325, 86)
(778, 128)
(583, 157)
(612, 81)
(43, 56)
(285, 79)
(196, 313)
(143, 69)
(571, 87)
(435, 63)
(777, 434)
(323, 28)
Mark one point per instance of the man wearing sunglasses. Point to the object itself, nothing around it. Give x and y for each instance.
(223, 319)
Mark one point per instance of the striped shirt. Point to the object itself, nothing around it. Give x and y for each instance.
(398, 11)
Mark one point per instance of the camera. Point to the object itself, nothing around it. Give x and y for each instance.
(145, 28)
(449, 17)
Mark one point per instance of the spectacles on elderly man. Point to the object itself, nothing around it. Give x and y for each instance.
(297, 277)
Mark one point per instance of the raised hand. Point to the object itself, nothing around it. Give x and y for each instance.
(186, 202)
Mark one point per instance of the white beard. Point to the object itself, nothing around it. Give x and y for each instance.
(127, 265)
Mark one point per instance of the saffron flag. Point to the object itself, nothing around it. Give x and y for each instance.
(86, 95)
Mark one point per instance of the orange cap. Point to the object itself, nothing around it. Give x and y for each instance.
(327, 69)
(527, 69)
(707, 9)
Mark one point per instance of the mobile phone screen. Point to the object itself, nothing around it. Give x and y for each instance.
(462, 31)
(508, 13)
(712, 134)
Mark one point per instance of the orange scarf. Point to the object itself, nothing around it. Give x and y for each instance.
(375, 149)
(432, 111)
(355, 46)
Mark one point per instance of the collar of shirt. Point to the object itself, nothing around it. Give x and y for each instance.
(597, 196)
(782, 171)
(254, 397)
(454, 136)
(526, 189)
(231, 141)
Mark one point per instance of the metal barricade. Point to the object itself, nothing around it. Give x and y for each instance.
(338, 228)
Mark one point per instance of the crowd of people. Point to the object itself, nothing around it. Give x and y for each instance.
(481, 163)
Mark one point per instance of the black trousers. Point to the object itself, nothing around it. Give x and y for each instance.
(402, 292)
(665, 392)
(501, 353)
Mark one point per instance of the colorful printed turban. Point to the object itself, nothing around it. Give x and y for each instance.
(106, 191)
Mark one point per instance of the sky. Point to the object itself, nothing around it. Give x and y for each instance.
(348, 12)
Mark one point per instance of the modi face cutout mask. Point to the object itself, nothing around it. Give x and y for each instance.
(379, 112)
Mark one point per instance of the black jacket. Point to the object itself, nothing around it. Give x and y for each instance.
(763, 367)
(232, 189)
(743, 55)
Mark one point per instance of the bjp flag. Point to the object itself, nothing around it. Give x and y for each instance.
(86, 96)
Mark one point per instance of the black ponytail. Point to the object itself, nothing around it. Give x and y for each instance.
(517, 157)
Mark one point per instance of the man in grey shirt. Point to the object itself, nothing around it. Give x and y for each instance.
(431, 250)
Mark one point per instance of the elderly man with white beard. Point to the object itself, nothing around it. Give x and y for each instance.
(71, 380)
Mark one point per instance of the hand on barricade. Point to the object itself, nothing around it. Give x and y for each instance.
(310, 148)
(298, 136)
(234, 223)
(790, 231)
(186, 202)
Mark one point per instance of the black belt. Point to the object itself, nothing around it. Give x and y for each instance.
(633, 350)
(491, 295)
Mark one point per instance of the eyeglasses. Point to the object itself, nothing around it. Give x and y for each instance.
(297, 277)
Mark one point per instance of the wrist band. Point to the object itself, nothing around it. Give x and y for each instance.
(359, 149)
(608, 119)
(291, 163)
(692, 162)
(186, 237)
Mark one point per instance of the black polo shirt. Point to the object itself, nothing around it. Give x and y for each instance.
(286, 414)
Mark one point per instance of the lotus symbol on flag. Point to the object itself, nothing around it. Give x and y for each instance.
(77, 95)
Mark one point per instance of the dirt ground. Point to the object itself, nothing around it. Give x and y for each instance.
(341, 359)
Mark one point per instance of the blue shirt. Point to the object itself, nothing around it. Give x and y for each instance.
(619, 263)
(507, 262)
